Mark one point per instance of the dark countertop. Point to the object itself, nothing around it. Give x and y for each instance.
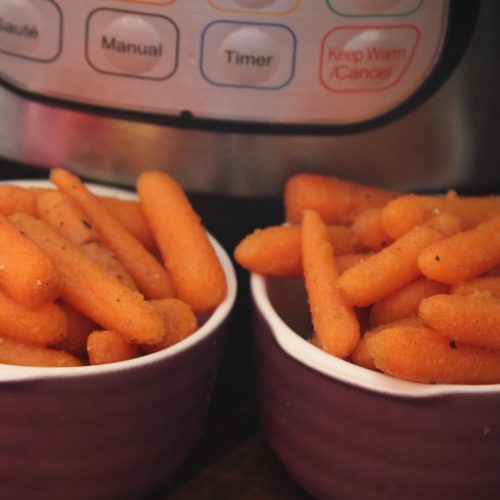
(232, 459)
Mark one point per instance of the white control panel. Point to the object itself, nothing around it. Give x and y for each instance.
(323, 62)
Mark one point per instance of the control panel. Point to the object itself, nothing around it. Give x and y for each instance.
(320, 62)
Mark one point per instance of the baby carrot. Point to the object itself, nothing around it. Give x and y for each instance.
(336, 200)
(26, 272)
(187, 252)
(421, 355)
(179, 319)
(465, 255)
(91, 289)
(367, 226)
(405, 212)
(275, 250)
(105, 346)
(394, 266)
(46, 324)
(15, 352)
(150, 276)
(404, 302)
(335, 324)
(66, 216)
(17, 199)
(470, 319)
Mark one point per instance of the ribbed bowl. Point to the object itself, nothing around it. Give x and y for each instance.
(345, 432)
(108, 432)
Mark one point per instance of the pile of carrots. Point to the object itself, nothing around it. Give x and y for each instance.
(87, 279)
(405, 284)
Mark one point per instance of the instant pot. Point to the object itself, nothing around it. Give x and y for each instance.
(234, 96)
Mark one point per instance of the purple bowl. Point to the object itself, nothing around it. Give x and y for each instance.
(346, 432)
(114, 431)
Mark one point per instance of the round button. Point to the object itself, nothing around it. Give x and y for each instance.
(255, 3)
(374, 6)
(132, 44)
(249, 56)
(21, 27)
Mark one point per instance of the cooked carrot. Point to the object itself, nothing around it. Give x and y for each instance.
(187, 252)
(419, 354)
(367, 226)
(26, 272)
(79, 328)
(335, 324)
(150, 276)
(336, 200)
(66, 216)
(465, 255)
(179, 319)
(490, 285)
(103, 256)
(275, 250)
(394, 266)
(45, 324)
(105, 346)
(17, 199)
(92, 290)
(404, 302)
(345, 262)
(404, 213)
(16, 352)
(129, 213)
(470, 319)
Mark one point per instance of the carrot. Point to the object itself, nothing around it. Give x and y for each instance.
(419, 354)
(489, 285)
(26, 272)
(15, 352)
(45, 324)
(150, 276)
(187, 252)
(337, 201)
(179, 319)
(92, 290)
(103, 256)
(404, 302)
(345, 262)
(129, 213)
(367, 226)
(470, 319)
(79, 328)
(404, 213)
(395, 266)
(66, 216)
(276, 251)
(335, 324)
(105, 346)
(17, 199)
(465, 255)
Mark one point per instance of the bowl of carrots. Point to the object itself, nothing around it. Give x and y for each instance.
(377, 340)
(115, 307)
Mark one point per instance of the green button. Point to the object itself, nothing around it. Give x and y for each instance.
(374, 8)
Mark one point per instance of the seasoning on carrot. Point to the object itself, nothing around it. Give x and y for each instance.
(336, 327)
(488, 284)
(187, 252)
(150, 276)
(105, 346)
(367, 226)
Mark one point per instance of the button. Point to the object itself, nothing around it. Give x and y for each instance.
(372, 8)
(30, 29)
(366, 59)
(255, 55)
(269, 7)
(132, 44)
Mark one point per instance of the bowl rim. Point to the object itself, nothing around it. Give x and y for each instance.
(13, 373)
(307, 354)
